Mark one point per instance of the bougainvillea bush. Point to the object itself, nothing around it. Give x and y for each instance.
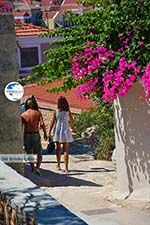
(112, 67)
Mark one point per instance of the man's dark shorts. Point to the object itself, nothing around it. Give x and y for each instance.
(32, 143)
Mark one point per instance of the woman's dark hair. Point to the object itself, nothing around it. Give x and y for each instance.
(34, 103)
(63, 104)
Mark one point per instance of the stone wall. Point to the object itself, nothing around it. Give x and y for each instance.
(11, 215)
(23, 203)
(10, 124)
(89, 137)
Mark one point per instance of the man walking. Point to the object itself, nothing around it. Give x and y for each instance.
(32, 120)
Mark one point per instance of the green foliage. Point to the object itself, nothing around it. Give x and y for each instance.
(102, 117)
(88, 2)
(95, 3)
(103, 25)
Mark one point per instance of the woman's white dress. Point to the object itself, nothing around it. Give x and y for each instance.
(62, 132)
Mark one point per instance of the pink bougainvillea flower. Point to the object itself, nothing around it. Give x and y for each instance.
(88, 87)
(141, 43)
(146, 79)
(118, 82)
(91, 59)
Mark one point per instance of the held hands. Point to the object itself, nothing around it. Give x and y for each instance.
(45, 137)
(49, 136)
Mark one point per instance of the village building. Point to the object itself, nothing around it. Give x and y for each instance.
(31, 46)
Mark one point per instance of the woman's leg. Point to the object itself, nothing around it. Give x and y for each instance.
(58, 154)
(66, 155)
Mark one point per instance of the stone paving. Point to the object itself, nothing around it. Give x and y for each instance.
(89, 190)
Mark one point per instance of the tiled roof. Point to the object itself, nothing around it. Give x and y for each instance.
(55, 8)
(16, 13)
(27, 6)
(25, 29)
(49, 15)
(64, 8)
(50, 6)
(70, 2)
(45, 3)
(71, 5)
(39, 91)
(23, 7)
(28, 1)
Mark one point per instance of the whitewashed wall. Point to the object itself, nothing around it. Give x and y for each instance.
(132, 136)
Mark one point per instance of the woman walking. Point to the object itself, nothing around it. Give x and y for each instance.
(61, 123)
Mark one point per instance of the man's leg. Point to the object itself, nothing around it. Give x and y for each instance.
(28, 147)
(39, 160)
(32, 166)
(37, 148)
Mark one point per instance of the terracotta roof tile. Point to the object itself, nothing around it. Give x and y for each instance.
(39, 91)
(49, 14)
(70, 2)
(25, 29)
(71, 5)
(45, 3)
(23, 7)
(28, 1)
(54, 8)
(64, 8)
(23, 13)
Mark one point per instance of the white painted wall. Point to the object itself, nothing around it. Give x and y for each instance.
(132, 136)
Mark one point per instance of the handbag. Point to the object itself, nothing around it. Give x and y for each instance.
(50, 146)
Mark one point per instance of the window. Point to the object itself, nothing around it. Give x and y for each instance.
(29, 57)
(27, 19)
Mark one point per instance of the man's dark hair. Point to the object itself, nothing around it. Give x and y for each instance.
(34, 103)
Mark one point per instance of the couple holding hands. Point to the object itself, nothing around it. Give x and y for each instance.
(61, 128)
